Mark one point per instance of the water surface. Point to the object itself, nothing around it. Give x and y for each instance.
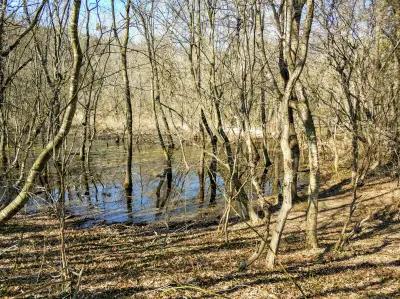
(106, 201)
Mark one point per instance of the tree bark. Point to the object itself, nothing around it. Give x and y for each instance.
(295, 60)
(127, 92)
(288, 181)
(202, 165)
(23, 196)
(212, 169)
(305, 115)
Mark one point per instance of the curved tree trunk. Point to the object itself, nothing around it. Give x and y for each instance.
(296, 63)
(23, 196)
(288, 181)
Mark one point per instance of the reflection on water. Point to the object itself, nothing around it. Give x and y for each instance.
(107, 201)
(104, 200)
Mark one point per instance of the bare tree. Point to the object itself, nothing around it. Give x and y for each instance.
(7, 46)
(15, 205)
(123, 45)
(294, 55)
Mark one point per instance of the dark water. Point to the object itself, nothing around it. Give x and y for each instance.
(107, 202)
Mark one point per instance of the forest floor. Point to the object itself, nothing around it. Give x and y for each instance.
(193, 260)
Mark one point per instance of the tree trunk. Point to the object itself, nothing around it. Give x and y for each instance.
(127, 92)
(23, 196)
(3, 139)
(202, 165)
(294, 72)
(247, 209)
(212, 171)
(288, 181)
(267, 160)
(305, 115)
(294, 147)
(129, 125)
(3, 154)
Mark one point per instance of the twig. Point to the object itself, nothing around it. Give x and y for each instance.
(78, 283)
(291, 278)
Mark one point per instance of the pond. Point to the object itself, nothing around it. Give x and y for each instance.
(106, 200)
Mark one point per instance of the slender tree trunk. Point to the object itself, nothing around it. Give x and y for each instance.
(294, 147)
(335, 151)
(167, 147)
(3, 137)
(247, 209)
(3, 154)
(202, 165)
(252, 156)
(127, 92)
(305, 115)
(23, 196)
(212, 173)
(267, 160)
(82, 151)
(129, 125)
(212, 169)
(277, 170)
(354, 152)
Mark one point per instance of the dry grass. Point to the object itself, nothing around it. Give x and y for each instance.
(194, 261)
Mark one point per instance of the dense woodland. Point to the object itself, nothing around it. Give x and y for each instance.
(262, 91)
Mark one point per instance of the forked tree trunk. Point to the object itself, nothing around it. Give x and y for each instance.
(12, 208)
(295, 68)
(288, 181)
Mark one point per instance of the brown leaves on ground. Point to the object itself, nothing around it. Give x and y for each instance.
(194, 261)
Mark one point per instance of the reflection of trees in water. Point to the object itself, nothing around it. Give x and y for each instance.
(129, 208)
(97, 191)
(184, 187)
(166, 177)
